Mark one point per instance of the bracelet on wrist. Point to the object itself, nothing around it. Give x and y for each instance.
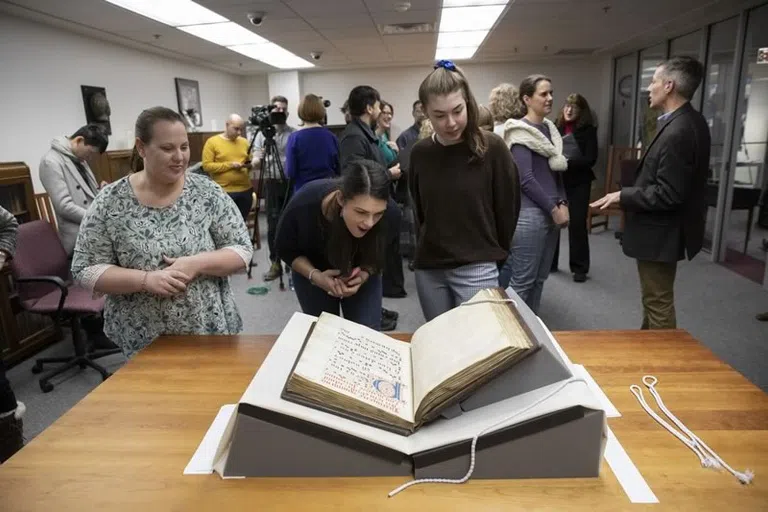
(311, 273)
(144, 281)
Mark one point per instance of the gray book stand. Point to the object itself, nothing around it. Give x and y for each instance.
(565, 444)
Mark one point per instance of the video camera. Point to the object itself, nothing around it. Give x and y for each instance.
(265, 120)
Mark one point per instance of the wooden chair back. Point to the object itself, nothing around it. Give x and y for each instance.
(45, 209)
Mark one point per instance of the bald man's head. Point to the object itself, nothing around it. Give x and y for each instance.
(235, 127)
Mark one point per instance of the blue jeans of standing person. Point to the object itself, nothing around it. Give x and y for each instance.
(441, 290)
(364, 307)
(530, 257)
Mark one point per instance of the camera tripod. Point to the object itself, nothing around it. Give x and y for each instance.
(272, 168)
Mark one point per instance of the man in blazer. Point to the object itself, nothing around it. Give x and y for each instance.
(69, 181)
(665, 210)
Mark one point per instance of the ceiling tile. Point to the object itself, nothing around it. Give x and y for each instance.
(389, 18)
(315, 8)
(416, 5)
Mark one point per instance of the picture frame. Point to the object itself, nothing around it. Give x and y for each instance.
(188, 98)
(97, 109)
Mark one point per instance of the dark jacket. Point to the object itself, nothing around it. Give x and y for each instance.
(580, 168)
(358, 141)
(665, 208)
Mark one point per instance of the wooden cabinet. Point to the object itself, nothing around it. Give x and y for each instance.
(16, 192)
(110, 166)
(21, 333)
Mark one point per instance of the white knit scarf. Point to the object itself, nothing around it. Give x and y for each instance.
(519, 132)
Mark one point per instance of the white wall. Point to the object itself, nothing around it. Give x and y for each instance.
(42, 69)
(254, 91)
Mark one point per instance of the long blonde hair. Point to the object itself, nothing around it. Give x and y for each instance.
(442, 81)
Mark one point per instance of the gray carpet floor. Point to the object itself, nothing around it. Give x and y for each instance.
(715, 305)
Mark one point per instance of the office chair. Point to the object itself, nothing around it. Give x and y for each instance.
(40, 270)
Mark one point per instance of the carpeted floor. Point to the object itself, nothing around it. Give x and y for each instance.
(715, 304)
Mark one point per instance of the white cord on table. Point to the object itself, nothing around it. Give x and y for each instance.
(472, 452)
(708, 457)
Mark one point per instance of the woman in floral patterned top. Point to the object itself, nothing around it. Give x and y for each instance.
(161, 243)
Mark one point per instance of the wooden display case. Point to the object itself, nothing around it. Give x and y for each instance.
(21, 334)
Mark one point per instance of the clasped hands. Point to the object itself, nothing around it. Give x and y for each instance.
(173, 279)
(340, 287)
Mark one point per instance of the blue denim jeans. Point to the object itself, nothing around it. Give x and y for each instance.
(364, 307)
(530, 257)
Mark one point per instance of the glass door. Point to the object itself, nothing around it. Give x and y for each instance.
(745, 219)
(718, 91)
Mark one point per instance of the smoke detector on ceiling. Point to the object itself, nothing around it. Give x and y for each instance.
(406, 28)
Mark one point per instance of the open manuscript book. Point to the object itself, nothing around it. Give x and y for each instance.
(362, 374)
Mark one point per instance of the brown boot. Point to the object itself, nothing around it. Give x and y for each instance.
(274, 271)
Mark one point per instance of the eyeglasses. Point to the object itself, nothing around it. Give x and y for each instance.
(387, 113)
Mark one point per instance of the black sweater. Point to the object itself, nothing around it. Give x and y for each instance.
(467, 212)
(580, 169)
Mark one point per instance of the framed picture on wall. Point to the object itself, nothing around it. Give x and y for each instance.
(188, 97)
(97, 109)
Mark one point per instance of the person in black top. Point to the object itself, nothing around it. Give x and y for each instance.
(332, 236)
(358, 140)
(576, 124)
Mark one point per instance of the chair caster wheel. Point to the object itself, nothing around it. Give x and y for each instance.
(38, 368)
(46, 387)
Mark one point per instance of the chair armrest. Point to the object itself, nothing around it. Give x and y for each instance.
(51, 280)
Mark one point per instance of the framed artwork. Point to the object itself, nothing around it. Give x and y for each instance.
(97, 109)
(188, 97)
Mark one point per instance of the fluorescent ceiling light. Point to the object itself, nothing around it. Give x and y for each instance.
(171, 12)
(272, 54)
(224, 34)
(455, 53)
(468, 3)
(461, 19)
(461, 39)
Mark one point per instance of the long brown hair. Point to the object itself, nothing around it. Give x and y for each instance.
(585, 113)
(442, 81)
(344, 251)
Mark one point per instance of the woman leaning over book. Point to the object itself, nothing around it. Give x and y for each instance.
(466, 194)
(332, 235)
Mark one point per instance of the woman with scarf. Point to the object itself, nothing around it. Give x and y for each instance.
(537, 150)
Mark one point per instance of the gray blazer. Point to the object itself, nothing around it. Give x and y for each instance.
(70, 193)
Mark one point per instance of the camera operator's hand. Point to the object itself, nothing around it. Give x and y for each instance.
(235, 165)
(395, 172)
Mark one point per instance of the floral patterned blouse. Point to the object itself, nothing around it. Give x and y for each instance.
(118, 230)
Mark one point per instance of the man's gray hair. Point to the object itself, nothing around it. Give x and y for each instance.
(686, 72)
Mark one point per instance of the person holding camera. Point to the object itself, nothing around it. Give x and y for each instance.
(274, 188)
(332, 235)
(225, 159)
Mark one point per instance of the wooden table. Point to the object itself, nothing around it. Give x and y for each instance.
(124, 446)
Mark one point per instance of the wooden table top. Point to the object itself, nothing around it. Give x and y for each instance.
(125, 445)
